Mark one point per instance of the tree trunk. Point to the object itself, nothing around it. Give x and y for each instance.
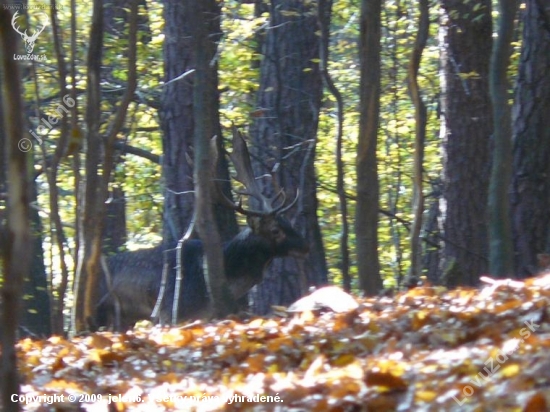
(466, 127)
(177, 121)
(36, 314)
(51, 168)
(431, 261)
(91, 220)
(99, 164)
(366, 212)
(114, 231)
(176, 117)
(531, 180)
(420, 117)
(340, 173)
(501, 261)
(116, 18)
(205, 34)
(285, 137)
(15, 242)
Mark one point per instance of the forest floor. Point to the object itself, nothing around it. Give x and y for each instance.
(427, 349)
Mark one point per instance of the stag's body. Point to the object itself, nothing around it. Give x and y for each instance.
(136, 275)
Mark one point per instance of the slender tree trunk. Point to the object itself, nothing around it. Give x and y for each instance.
(99, 164)
(501, 261)
(205, 17)
(420, 117)
(531, 180)
(115, 13)
(366, 212)
(432, 250)
(56, 228)
(91, 220)
(340, 175)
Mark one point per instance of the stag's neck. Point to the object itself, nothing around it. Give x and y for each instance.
(246, 257)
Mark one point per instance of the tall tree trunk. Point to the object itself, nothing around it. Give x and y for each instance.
(64, 145)
(420, 117)
(368, 192)
(91, 220)
(285, 137)
(99, 164)
(205, 34)
(36, 314)
(531, 179)
(466, 127)
(115, 13)
(15, 240)
(340, 173)
(501, 261)
(177, 121)
(176, 117)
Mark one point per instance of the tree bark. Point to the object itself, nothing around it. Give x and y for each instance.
(36, 314)
(205, 18)
(35, 311)
(531, 178)
(366, 211)
(176, 117)
(420, 117)
(91, 216)
(99, 157)
(501, 261)
(57, 299)
(290, 97)
(177, 122)
(114, 232)
(15, 241)
(340, 174)
(466, 127)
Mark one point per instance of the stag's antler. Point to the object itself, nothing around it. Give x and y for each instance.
(240, 157)
(241, 160)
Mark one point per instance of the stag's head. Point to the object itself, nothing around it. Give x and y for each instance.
(267, 221)
(29, 40)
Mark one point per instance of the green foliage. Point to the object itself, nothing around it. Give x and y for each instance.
(139, 178)
(239, 57)
(238, 69)
(396, 130)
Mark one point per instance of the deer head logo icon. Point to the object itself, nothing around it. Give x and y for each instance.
(29, 40)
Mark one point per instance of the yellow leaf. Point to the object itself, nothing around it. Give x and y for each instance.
(510, 370)
(426, 396)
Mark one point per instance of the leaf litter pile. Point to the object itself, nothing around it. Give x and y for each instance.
(427, 349)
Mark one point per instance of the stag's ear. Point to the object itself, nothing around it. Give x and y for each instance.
(254, 222)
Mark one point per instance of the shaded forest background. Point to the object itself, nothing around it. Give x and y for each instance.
(418, 138)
